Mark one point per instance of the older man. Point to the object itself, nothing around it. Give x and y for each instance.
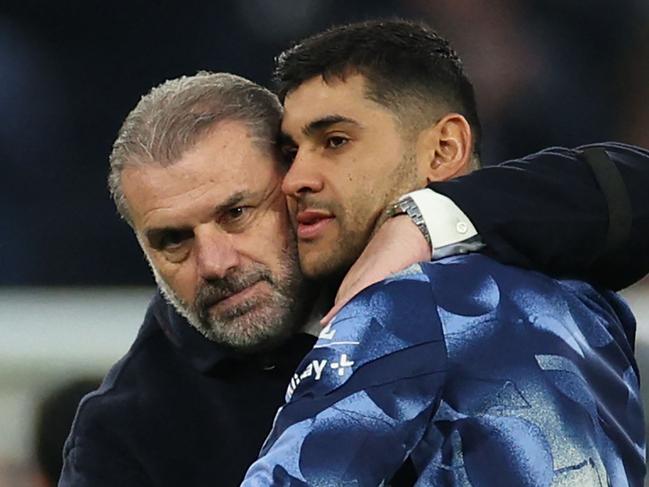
(471, 372)
(197, 175)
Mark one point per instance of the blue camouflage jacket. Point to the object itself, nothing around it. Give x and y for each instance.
(481, 374)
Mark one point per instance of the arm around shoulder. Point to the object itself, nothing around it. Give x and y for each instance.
(361, 399)
(549, 211)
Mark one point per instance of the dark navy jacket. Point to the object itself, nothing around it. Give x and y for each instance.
(178, 410)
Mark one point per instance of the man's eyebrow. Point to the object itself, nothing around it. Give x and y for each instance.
(236, 198)
(154, 235)
(233, 200)
(325, 122)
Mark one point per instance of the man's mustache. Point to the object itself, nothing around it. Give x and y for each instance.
(311, 202)
(213, 291)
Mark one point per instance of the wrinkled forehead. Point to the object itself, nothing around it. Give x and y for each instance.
(225, 162)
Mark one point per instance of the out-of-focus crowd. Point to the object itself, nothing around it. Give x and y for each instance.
(547, 72)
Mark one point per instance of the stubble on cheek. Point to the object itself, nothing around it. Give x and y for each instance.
(330, 257)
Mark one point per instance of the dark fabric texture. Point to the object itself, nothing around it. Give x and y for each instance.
(178, 410)
(548, 212)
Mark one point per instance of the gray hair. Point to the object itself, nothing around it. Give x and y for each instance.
(173, 117)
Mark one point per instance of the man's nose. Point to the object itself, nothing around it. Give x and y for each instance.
(303, 176)
(216, 254)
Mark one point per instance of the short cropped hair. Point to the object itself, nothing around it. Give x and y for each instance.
(173, 117)
(409, 69)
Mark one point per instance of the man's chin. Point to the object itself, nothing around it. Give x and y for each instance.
(230, 314)
(325, 267)
(258, 323)
(260, 345)
(247, 331)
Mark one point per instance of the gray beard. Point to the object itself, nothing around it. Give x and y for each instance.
(255, 324)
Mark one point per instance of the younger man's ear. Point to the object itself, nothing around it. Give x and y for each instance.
(445, 149)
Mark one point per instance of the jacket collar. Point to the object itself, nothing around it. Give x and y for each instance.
(209, 357)
(202, 353)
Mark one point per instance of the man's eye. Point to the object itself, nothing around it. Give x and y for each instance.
(336, 141)
(288, 154)
(236, 219)
(237, 213)
(173, 240)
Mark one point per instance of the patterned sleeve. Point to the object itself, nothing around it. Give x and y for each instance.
(541, 388)
(363, 397)
(479, 373)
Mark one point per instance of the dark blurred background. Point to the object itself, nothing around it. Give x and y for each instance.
(547, 72)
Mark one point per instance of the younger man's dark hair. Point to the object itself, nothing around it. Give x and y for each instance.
(409, 68)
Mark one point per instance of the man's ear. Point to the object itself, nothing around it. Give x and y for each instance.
(445, 150)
